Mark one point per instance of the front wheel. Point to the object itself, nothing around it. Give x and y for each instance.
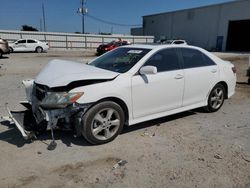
(216, 98)
(11, 50)
(103, 122)
(39, 49)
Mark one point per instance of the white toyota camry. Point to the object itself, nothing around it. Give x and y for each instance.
(126, 86)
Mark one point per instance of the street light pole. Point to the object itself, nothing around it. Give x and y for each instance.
(82, 17)
(44, 21)
(82, 11)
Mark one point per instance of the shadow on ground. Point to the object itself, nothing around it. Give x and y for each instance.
(4, 57)
(13, 136)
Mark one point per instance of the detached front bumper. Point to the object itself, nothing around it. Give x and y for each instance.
(29, 123)
(24, 121)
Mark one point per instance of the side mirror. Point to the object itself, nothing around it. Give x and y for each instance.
(148, 70)
(16, 42)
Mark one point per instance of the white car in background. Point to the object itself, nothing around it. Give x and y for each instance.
(175, 42)
(123, 87)
(28, 45)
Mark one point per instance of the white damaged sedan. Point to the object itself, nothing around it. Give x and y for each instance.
(126, 86)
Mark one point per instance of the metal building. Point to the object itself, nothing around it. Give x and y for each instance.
(218, 27)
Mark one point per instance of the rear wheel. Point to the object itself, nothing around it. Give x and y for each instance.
(216, 98)
(39, 49)
(1, 53)
(103, 122)
(248, 81)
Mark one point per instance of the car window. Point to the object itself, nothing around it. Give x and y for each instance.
(193, 58)
(179, 42)
(164, 60)
(31, 41)
(21, 41)
(120, 60)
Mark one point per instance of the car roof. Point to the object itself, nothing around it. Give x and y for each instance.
(160, 46)
(28, 39)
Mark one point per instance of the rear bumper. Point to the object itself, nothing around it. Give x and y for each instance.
(7, 51)
(100, 51)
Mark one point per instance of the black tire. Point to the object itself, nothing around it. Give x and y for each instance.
(11, 50)
(39, 49)
(1, 53)
(106, 119)
(216, 98)
(248, 81)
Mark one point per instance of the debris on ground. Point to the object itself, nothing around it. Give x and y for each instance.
(120, 163)
(243, 156)
(217, 156)
(242, 126)
(201, 159)
(146, 133)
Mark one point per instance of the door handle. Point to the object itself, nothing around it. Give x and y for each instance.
(213, 70)
(179, 76)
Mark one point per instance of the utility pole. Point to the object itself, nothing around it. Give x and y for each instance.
(82, 11)
(44, 22)
(41, 27)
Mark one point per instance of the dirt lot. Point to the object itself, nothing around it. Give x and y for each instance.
(191, 149)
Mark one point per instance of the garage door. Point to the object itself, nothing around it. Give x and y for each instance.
(238, 38)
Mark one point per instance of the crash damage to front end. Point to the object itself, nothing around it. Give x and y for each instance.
(48, 109)
(51, 103)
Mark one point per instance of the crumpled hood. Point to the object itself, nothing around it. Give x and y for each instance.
(61, 73)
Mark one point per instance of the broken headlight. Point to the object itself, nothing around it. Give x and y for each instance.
(60, 99)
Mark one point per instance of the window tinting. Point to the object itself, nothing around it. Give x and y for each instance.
(194, 58)
(21, 41)
(164, 60)
(179, 42)
(31, 41)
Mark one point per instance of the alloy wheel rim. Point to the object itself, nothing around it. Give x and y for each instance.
(217, 98)
(105, 124)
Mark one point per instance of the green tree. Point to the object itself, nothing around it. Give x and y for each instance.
(28, 28)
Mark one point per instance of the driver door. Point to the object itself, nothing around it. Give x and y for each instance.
(20, 46)
(160, 92)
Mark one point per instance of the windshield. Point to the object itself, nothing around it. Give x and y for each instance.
(169, 42)
(120, 60)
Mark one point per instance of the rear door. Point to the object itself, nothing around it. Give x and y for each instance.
(31, 45)
(160, 92)
(201, 74)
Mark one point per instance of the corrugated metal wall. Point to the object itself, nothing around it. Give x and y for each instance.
(71, 41)
(205, 27)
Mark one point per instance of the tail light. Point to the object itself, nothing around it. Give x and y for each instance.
(234, 70)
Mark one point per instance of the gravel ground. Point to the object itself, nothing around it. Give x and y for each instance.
(190, 149)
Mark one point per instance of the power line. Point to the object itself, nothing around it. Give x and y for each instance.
(112, 23)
